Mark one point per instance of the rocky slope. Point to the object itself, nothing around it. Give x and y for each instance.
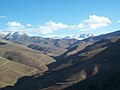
(17, 61)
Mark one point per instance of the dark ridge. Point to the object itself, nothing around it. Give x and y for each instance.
(61, 59)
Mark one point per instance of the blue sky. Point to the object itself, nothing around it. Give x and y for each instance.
(59, 17)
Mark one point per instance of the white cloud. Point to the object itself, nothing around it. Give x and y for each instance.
(15, 26)
(29, 25)
(50, 27)
(93, 22)
(2, 17)
(118, 21)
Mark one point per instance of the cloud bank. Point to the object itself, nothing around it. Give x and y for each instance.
(93, 22)
(51, 26)
(15, 26)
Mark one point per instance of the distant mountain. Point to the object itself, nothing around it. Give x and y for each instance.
(2, 34)
(15, 35)
(76, 36)
(18, 34)
(55, 46)
(83, 48)
(83, 36)
(116, 33)
(55, 37)
(67, 37)
(80, 36)
(50, 46)
(86, 65)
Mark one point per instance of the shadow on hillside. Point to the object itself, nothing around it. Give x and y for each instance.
(62, 59)
(18, 83)
(49, 79)
(2, 43)
(98, 82)
(103, 80)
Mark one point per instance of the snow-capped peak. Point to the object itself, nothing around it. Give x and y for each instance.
(67, 37)
(80, 36)
(15, 34)
(83, 35)
(2, 34)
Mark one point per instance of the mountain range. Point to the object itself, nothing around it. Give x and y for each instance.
(2, 34)
(80, 36)
(50, 46)
(76, 36)
(37, 63)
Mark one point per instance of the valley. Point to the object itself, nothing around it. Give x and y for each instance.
(37, 63)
